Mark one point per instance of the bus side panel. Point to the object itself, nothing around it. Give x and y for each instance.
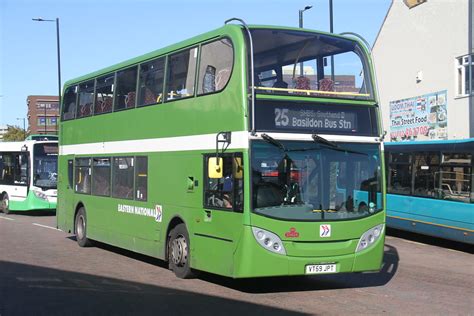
(445, 219)
(178, 186)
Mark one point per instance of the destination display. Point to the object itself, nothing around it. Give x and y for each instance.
(315, 118)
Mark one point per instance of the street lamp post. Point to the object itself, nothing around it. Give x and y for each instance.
(301, 26)
(59, 69)
(331, 30)
(24, 128)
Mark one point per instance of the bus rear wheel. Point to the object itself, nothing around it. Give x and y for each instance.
(80, 228)
(179, 252)
(5, 204)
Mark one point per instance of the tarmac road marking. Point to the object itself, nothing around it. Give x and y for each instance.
(8, 218)
(36, 224)
(22, 279)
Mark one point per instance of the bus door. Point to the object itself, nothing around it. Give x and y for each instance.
(66, 201)
(220, 224)
(19, 171)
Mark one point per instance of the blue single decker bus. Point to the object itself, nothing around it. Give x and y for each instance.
(430, 188)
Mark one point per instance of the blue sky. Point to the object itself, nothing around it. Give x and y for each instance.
(98, 33)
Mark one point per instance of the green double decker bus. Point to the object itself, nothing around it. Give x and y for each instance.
(241, 152)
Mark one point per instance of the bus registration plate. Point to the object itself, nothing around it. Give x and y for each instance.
(320, 268)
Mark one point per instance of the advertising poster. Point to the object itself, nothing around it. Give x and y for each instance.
(423, 117)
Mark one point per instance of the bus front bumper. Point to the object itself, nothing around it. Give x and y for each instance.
(252, 260)
(32, 203)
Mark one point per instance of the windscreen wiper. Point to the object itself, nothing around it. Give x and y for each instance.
(273, 141)
(321, 140)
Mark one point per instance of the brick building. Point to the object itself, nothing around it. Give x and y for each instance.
(43, 113)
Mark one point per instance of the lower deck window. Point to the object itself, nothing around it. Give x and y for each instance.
(141, 179)
(83, 175)
(123, 176)
(101, 179)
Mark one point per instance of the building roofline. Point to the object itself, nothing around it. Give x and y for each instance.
(381, 26)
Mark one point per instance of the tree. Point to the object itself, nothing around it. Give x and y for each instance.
(14, 133)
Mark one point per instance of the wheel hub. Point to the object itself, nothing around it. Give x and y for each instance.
(179, 251)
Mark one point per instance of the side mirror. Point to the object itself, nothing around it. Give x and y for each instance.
(214, 167)
(237, 169)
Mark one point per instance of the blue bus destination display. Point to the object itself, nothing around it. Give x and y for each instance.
(315, 118)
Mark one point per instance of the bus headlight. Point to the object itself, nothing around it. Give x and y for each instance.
(269, 240)
(40, 195)
(370, 237)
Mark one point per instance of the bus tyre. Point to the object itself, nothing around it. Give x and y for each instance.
(80, 228)
(179, 252)
(5, 204)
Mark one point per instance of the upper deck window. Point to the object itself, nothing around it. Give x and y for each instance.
(181, 73)
(309, 64)
(86, 99)
(69, 103)
(215, 66)
(126, 87)
(104, 94)
(150, 88)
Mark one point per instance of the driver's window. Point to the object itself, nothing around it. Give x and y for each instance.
(225, 192)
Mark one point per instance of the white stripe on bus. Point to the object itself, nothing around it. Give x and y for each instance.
(240, 140)
(181, 143)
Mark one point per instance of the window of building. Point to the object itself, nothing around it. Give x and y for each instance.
(215, 66)
(122, 177)
(49, 121)
(181, 74)
(101, 176)
(41, 120)
(464, 75)
(69, 103)
(425, 168)
(83, 175)
(141, 179)
(225, 192)
(104, 94)
(152, 76)
(86, 99)
(126, 89)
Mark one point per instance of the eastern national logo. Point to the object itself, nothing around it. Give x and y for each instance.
(325, 230)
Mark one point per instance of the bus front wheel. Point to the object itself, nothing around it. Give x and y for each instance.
(80, 225)
(5, 204)
(179, 252)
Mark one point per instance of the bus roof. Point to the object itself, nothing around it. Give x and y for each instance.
(17, 146)
(226, 29)
(430, 142)
(43, 137)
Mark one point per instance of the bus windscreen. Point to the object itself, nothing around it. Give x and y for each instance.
(45, 165)
(301, 63)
